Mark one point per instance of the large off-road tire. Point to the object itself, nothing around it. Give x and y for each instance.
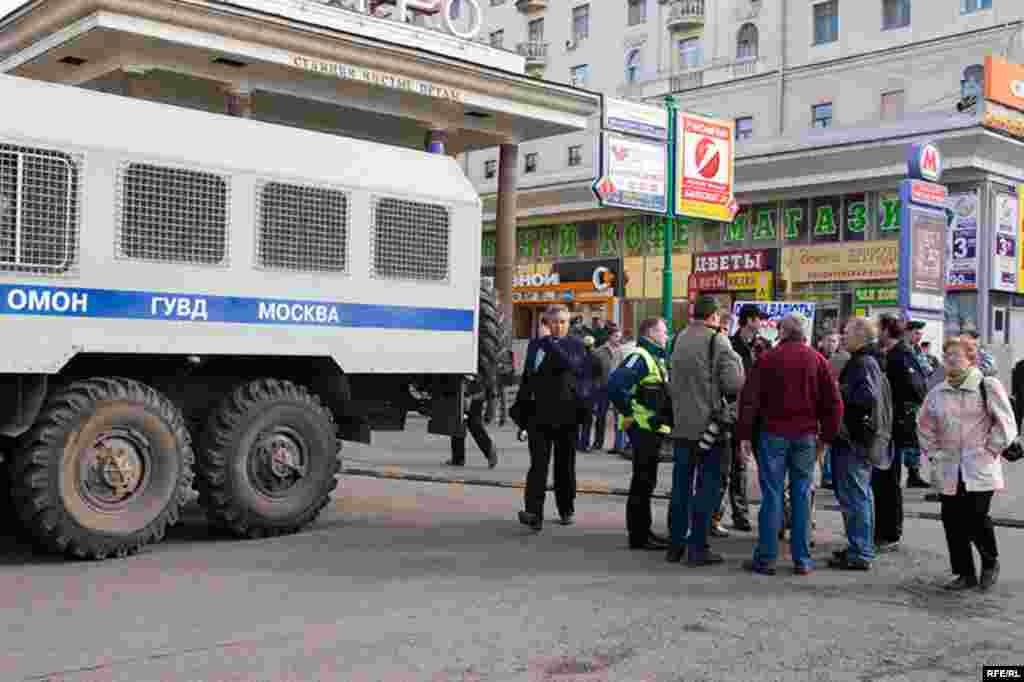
(104, 470)
(490, 341)
(269, 460)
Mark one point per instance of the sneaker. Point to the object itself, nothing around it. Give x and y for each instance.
(759, 568)
(989, 576)
(961, 583)
(530, 519)
(718, 531)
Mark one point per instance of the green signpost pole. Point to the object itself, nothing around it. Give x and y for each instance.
(670, 218)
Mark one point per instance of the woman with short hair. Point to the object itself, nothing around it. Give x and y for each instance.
(964, 425)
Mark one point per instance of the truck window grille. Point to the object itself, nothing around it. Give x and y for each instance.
(173, 215)
(38, 210)
(302, 228)
(410, 240)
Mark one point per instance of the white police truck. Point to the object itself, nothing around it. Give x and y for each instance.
(189, 299)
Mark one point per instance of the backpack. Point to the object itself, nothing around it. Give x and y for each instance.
(881, 420)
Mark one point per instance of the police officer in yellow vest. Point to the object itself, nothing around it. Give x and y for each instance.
(638, 388)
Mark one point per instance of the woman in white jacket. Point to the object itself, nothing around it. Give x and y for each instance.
(963, 433)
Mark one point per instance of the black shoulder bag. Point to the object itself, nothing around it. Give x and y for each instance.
(1013, 451)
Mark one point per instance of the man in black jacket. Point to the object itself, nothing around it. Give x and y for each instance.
(734, 468)
(550, 384)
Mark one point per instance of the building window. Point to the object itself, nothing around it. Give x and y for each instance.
(745, 128)
(746, 42)
(821, 115)
(970, 6)
(973, 81)
(535, 31)
(826, 22)
(531, 163)
(490, 169)
(576, 155)
(495, 3)
(633, 66)
(580, 23)
(637, 12)
(497, 38)
(895, 14)
(893, 103)
(691, 53)
(456, 9)
(579, 76)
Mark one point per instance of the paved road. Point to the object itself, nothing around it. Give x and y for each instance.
(404, 581)
(417, 452)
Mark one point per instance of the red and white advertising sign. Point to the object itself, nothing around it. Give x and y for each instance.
(928, 193)
(704, 167)
(731, 261)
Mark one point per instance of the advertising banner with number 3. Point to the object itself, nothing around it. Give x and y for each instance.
(704, 168)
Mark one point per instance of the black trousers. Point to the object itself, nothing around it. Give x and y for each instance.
(646, 453)
(586, 425)
(543, 440)
(887, 488)
(734, 481)
(475, 425)
(965, 519)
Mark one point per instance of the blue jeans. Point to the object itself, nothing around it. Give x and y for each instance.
(851, 474)
(826, 468)
(775, 457)
(911, 457)
(690, 502)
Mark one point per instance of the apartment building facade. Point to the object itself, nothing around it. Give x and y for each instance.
(826, 95)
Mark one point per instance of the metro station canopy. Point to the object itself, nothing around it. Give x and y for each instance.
(302, 63)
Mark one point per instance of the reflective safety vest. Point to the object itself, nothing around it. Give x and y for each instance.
(655, 375)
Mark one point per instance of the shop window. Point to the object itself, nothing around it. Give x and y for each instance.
(636, 12)
(857, 217)
(794, 221)
(889, 215)
(826, 219)
(826, 22)
(745, 128)
(821, 115)
(490, 168)
(895, 14)
(971, 6)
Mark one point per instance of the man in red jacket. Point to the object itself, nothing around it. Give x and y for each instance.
(792, 394)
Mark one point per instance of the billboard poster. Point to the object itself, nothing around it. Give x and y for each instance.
(773, 312)
(1020, 236)
(704, 168)
(962, 241)
(922, 273)
(636, 173)
(634, 118)
(1005, 243)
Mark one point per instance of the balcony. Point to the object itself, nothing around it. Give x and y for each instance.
(687, 80)
(749, 66)
(685, 14)
(531, 6)
(536, 53)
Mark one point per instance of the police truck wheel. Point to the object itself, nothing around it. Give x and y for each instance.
(489, 342)
(269, 460)
(104, 470)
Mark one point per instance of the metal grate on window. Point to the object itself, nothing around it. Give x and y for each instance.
(302, 228)
(172, 215)
(38, 210)
(410, 240)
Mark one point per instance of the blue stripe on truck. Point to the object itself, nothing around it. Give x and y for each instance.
(52, 301)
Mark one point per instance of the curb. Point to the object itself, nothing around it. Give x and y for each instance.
(593, 488)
